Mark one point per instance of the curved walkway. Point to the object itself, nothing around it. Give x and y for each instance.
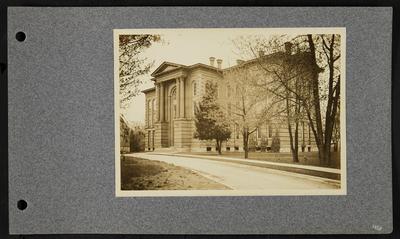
(243, 177)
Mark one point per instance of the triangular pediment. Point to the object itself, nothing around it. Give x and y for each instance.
(165, 67)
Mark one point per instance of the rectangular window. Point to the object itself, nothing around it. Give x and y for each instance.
(152, 139)
(194, 88)
(153, 111)
(270, 131)
(148, 113)
(148, 139)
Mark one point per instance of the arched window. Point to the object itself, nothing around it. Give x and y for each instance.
(194, 88)
(148, 112)
(153, 112)
(194, 108)
(173, 103)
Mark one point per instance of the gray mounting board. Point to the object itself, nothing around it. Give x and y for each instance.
(61, 127)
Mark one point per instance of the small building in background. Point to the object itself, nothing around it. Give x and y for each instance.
(124, 132)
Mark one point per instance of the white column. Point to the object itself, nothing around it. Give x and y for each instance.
(157, 102)
(162, 104)
(178, 97)
(182, 97)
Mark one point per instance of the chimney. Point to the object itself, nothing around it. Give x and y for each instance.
(260, 53)
(288, 48)
(238, 61)
(212, 59)
(219, 62)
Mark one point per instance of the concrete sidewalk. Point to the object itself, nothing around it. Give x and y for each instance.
(324, 172)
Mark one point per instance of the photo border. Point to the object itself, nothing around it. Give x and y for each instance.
(272, 192)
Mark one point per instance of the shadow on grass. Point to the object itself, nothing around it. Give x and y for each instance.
(132, 168)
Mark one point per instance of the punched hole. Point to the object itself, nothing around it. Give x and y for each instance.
(20, 36)
(22, 205)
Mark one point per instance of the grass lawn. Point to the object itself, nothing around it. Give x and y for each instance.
(306, 158)
(143, 174)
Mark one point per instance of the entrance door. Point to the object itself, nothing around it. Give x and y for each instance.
(173, 115)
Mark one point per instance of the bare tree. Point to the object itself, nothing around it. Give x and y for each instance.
(283, 77)
(132, 65)
(330, 46)
(298, 80)
(251, 108)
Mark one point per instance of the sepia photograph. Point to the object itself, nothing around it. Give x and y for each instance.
(230, 111)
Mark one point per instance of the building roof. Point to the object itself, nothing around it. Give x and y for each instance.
(149, 90)
(167, 67)
(303, 57)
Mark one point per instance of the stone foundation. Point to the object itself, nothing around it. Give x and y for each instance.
(183, 134)
(161, 135)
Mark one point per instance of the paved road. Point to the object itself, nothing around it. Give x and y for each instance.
(239, 176)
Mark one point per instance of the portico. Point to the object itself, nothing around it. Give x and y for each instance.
(177, 89)
(172, 122)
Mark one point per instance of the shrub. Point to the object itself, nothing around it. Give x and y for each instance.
(137, 141)
(276, 144)
(264, 144)
(252, 144)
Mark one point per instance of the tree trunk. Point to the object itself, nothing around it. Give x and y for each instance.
(332, 104)
(293, 142)
(319, 134)
(219, 143)
(324, 154)
(292, 148)
(296, 143)
(246, 143)
(328, 139)
(327, 152)
(297, 119)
